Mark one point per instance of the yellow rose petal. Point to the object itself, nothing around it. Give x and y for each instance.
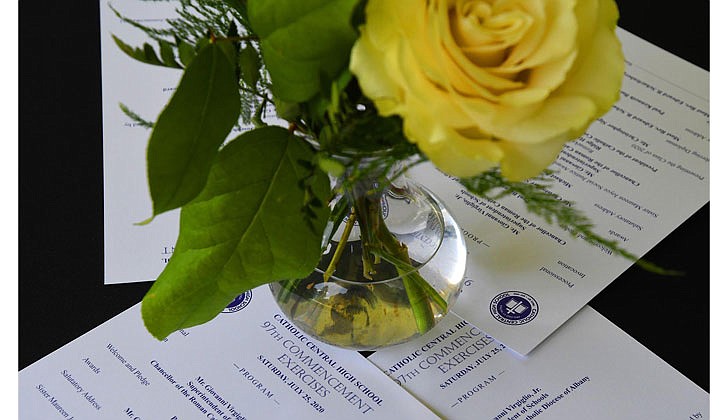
(422, 91)
(552, 75)
(374, 75)
(461, 156)
(601, 58)
(557, 40)
(384, 20)
(557, 116)
(527, 161)
(466, 75)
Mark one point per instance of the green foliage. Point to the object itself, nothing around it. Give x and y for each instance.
(537, 197)
(250, 65)
(186, 52)
(197, 23)
(552, 208)
(243, 230)
(240, 7)
(305, 43)
(148, 55)
(191, 128)
(136, 118)
(196, 19)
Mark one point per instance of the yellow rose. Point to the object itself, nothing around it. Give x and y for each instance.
(481, 83)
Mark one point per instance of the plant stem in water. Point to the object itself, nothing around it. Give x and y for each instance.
(380, 243)
(340, 246)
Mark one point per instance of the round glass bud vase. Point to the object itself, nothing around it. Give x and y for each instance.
(392, 266)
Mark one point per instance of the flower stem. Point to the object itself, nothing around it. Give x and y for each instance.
(379, 243)
(340, 246)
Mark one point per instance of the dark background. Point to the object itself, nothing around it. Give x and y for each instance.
(61, 272)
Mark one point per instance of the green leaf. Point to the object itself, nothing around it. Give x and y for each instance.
(289, 111)
(250, 66)
(238, 6)
(191, 128)
(186, 52)
(167, 53)
(304, 43)
(229, 49)
(243, 230)
(202, 42)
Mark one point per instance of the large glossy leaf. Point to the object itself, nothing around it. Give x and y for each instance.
(304, 42)
(191, 128)
(245, 229)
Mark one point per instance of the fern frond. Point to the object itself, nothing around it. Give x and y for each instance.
(195, 19)
(135, 117)
(182, 36)
(542, 202)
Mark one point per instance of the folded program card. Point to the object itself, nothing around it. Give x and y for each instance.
(638, 173)
(588, 369)
(249, 363)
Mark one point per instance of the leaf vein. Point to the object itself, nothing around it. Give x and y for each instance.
(204, 120)
(266, 195)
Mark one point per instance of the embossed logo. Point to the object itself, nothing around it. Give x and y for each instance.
(241, 301)
(514, 307)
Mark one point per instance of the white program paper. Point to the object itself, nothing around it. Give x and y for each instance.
(132, 253)
(588, 369)
(248, 363)
(638, 172)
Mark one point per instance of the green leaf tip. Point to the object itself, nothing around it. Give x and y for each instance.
(189, 131)
(145, 221)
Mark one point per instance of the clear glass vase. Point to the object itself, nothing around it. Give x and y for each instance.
(392, 266)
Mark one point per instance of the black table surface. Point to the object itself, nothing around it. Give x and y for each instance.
(61, 269)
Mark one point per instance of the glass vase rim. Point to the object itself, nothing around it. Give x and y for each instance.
(351, 153)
